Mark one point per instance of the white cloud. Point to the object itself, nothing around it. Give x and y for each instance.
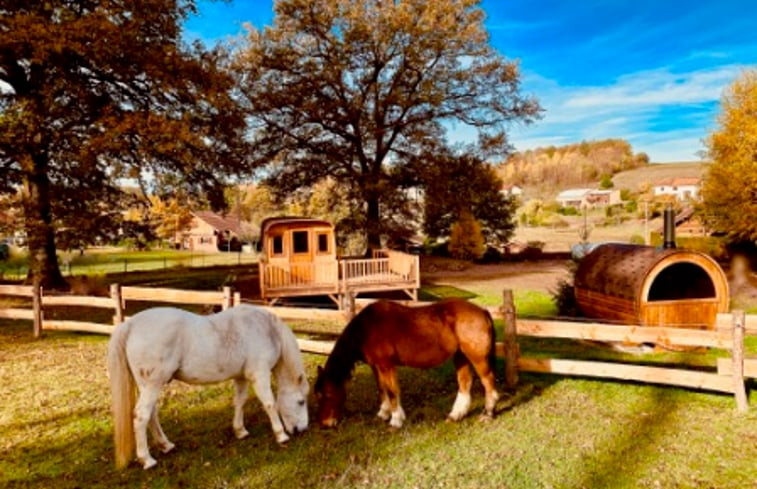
(657, 87)
(660, 112)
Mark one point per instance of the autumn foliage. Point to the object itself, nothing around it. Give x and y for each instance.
(730, 187)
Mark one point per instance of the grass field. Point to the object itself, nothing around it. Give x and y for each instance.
(650, 174)
(111, 260)
(551, 432)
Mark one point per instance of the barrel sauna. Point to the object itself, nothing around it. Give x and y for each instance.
(650, 286)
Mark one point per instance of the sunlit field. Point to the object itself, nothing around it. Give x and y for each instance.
(551, 432)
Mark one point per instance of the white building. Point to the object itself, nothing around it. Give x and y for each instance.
(587, 197)
(683, 188)
(511, 190)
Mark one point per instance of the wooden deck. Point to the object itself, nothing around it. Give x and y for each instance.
(388, 270)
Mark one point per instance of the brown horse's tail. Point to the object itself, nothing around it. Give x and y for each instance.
(493, 347)
(123, 396)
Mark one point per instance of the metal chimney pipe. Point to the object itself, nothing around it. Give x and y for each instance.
(669, 236)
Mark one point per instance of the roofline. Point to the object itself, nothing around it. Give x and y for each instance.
(271, 221)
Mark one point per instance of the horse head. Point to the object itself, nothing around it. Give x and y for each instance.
(292, 406)
(331, 396)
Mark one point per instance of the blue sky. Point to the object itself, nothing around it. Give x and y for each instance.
(650, 72)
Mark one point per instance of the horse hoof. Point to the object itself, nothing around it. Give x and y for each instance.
(486, 417)
(454, 418)
(149, 463)
(241, 434)
(167, 447)
(282, 440)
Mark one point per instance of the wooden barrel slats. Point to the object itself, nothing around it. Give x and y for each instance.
(651, 286)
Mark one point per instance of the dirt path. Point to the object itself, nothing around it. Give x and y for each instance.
(532, 275)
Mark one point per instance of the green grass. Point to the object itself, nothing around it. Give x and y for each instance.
(552, 432)
(101, 262)
(528, 303)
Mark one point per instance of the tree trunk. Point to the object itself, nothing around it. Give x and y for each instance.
(373, 225)
(43, 262)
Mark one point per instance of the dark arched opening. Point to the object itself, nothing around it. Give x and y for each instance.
(681, 281)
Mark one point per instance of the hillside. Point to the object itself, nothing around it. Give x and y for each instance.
(544, 170)
(637, 179)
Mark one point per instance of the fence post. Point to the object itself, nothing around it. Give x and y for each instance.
(228, 298)
(37, 309)
(350, 305)
(739, 390)
(237, 298)
(115, 294)
(512, 351)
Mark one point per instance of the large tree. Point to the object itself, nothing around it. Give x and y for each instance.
(358, 89)
(463, 186)
(97, 90)
(730, 187)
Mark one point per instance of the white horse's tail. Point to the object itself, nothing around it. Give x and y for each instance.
(123, 396)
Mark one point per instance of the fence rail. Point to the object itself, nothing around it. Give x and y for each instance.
(726, 376)
(19, 271)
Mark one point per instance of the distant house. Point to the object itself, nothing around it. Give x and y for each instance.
(683, 188)
(209, 231)
(603, 198)
(511, 190)
(587, 197)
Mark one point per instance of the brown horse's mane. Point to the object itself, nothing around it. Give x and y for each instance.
(347, 351)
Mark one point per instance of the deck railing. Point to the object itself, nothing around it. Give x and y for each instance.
(294, 275)
(386, 268)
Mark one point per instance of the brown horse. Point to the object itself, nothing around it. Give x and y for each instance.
(386, 334)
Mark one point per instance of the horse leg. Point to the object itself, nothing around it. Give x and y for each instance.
(485, 373)
(148, 398)
(240, 398)
(464, 381)
(387, 378)
(385, 410)
(161, 439)
(262, 386)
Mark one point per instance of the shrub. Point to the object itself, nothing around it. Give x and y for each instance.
(606, 182)
(466, 241)
(564, 295)
(568, 211)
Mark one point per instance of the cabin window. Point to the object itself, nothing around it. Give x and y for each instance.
(277, 245)
(300, 241)
(323, 243)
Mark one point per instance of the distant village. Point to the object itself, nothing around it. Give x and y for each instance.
(209, 231)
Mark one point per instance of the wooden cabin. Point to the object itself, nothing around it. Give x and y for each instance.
(299, 258)
(650, 286)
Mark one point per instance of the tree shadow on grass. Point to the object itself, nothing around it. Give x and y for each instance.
(622, 452)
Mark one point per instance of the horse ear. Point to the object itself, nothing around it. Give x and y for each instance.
(300, 379)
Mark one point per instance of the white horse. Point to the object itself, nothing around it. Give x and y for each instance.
(244, 343)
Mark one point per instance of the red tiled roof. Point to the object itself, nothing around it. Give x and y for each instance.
(679, 181)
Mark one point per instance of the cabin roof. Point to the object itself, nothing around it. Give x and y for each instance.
(218, 222)
(268, 223)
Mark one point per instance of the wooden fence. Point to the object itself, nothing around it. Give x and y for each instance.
(116, 302)
(727, 376)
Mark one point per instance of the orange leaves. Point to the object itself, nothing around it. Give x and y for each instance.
(730, 188)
